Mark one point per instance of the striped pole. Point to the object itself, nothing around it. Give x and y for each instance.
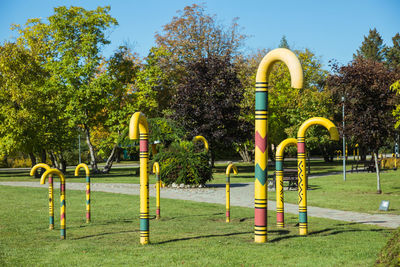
(301, 165)
(280, 210)
(202, 139)
(138, 129)
(261, 131)
(230, 167)
(51, 195)
(63, 218)
(156, 170)
(86, 168)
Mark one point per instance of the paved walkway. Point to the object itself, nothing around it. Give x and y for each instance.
(241, 195)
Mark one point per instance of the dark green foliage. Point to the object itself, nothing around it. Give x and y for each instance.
(390, 254)
(372, 47)
(181, 164)
(393, 53)
(165, 130)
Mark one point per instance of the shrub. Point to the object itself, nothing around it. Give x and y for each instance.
(180, 164)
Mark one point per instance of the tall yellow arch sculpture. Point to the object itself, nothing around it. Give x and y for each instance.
(51, 194)
(280, 210)
(139, 129)
(301, 165)
(261, 131)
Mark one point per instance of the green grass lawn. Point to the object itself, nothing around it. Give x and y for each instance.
(188, 233)
(358, 193)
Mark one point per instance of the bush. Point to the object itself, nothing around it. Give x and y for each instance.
(180, 164)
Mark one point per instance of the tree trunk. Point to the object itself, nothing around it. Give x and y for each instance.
(378, 177)
(93, 161)
(62, 163)
(54, 160)
(43, 156)
(245, 154)
(110, 159)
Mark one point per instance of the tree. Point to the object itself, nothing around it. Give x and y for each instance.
(284, 43)
(69, 44)
(207, 102)
(372, 47)
(393, 53)
(396, 112)
(369, 101)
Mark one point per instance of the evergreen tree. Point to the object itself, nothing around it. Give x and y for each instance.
(393, 53)
(372, 47)
(284, 43)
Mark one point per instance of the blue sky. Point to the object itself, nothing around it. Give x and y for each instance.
(331, 29)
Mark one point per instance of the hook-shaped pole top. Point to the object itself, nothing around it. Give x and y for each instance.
(156, 168)
(290, 60)
(202, 139)
(333, 131)
(285, 143)
(84, 166)
(138, 125)
(231, 167)
(37, 166)
(52, 171)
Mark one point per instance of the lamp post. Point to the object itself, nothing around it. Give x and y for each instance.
(344, 144)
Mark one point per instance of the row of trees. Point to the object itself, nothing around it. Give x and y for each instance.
(55, 84)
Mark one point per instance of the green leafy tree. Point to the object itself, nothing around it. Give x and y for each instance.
(372, 47)
(69, 43)
(393, 53)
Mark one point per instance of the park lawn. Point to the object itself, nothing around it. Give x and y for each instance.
(358, 193)
(189, 233)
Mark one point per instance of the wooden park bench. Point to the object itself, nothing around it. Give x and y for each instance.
(289, 177)
(364, 165)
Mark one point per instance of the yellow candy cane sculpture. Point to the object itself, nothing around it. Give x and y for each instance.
(301, 165)
(156, 170)
(51, 195)
(202, 139)
(261, 131)
(139, 129)
(280, 210)
(63, 217)
(230, 167)
(86, 168)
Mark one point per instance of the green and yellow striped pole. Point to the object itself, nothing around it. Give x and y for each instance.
(280, 210)
(63, 217)
(261, 131)
(139, 129)
(86, 168)
(201, 139)
(51, 194)
(301, 165)
(156, 170)
(230, 167)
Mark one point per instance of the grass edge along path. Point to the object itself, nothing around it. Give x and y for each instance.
(189, 233)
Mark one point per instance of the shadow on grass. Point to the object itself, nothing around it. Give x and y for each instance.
(103, 234)
(200, 237)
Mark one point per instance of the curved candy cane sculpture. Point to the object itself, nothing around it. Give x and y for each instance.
(63, 218)
(280, 210)
(156, 170)
(202, 139)
(51, 194)
(301, 165)
(139, 129)
(230, 167)
(261, 131)
(86, 168)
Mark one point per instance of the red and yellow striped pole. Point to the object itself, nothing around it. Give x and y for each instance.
(63, 217)
(86, 168)
(301, 165)
(280, 210)
(202, 139)
(156, 170)
(139, 129)
(261, 131)
(230, 167)
(51, 195)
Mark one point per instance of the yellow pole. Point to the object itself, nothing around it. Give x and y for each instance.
(51, 194)
(156, 170)
(139, 129)
(63, 218)
(301, 164)
(280, 210)
(86, 168)
(230, 167)
(202, 139)
(261, 131)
